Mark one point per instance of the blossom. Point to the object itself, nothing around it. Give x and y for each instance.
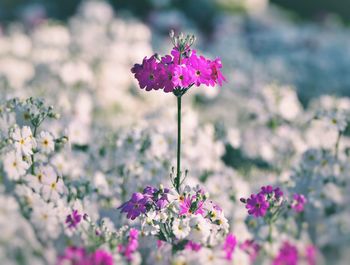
(14, 165)
(135, 206)
(100, 257)
(132, 245)
(191, 205)
(252, 248)
(288, 255)
(181, 69)
(200, 229)
(257, 205)
(46, 142)
(299, 202)
(24, 141)
(146, 73)
(183, 76)
(73, 255)
(181, 228)
(229, 246)
(193, 246)
(73, 219)
(79, 256)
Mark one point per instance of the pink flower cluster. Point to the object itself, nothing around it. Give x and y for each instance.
(132, 245)
(79, 256)
(178, 71)
(289, 255)
(229, 246)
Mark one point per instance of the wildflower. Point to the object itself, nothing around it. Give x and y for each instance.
(229, 246)
(181, 228)
(73, 255)
(146, 73)
(200, 229)
(46, 142)
(135, 206)
(14, 165)
(24, 141)
(288, 255)
(191, 205)
(257, 205)
(252, 248)
(299, 202)
(100, 257)
(193, 246)
(73, 219)
(132, 245)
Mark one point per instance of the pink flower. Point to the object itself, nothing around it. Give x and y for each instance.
(183, 76)
(288, 255)
(298, 203)
(100, 257)
(132, 245)
(311, 255)
(257, 205)
(79, 256)
(216, 75)
(252, 248)
(202, 70)
(229, 246)
(193, 246)
(146, 73)
(190, 205)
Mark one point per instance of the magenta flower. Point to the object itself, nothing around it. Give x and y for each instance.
(146, 73)
(79, 256)
(288, 255)
(257, 205)
(73, 255)
(100, 257)
(252, 248)
(278, 193)
(311, 255)
(193, 246)
(132, 245)
(72, 220)
(190, 205)
(181, 69)
(229, 246)
(135, 206)
(299, 202)
(183, 76)
(216, 75)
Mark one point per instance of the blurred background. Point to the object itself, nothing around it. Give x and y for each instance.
(301, 43)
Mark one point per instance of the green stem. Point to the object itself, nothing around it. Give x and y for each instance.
(178, 167)
(32, 167)
(337, 144)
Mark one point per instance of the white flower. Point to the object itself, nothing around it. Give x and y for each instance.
(24, 141)
(52, 188)
(148, 225)
(200, 229)
(44, 219)
(14, 165)
(181, 228)
(46, 142)
(42, 175)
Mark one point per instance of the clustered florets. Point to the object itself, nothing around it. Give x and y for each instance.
(181, 69)
(271, 199)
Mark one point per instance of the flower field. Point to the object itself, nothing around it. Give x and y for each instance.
(122, 144)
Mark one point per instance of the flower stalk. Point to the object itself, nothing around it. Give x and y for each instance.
(178, 162)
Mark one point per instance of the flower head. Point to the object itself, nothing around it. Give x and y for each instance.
(257, 205)
(298, 203)
(135, 206)
(73, 219)
(288, 255)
